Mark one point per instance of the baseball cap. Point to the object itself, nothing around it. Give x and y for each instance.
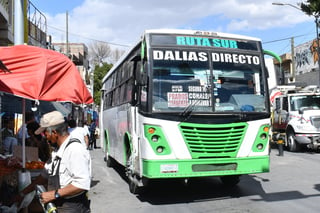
(50, 119)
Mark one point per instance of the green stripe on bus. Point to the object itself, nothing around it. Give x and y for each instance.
(204, 167)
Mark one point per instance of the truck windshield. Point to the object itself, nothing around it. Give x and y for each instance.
(307, 101)
(215, 87)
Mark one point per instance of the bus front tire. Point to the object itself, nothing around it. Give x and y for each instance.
(134, 189)
(133, 185)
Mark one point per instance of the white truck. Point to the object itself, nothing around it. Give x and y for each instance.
(295, 118)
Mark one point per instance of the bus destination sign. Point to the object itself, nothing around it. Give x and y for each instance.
(211, 42)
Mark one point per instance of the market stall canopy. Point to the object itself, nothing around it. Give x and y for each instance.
(40, 74)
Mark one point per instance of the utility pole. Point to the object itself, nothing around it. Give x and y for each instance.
(293, 61)
(18, 22)
(67, 33)
(318, 45)
(19, 28)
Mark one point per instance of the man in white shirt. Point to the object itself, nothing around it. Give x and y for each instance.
(68, 172)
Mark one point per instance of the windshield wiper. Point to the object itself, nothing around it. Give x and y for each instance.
(188, 110)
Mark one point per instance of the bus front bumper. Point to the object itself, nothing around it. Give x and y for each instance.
(204, 167)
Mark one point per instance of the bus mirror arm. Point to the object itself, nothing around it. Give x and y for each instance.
(142, 77)
(136, 58)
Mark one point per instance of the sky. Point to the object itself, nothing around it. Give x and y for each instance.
(120, 23)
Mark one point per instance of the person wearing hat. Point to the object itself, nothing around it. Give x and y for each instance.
(68, 171)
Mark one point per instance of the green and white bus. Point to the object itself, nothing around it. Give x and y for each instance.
(184, 104)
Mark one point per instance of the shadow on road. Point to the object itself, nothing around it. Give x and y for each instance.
(172, 191)
(94, 183)
(196, 190)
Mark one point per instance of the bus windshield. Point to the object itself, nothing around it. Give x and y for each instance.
(205, 84)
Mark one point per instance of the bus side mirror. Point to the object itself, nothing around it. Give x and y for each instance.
(142, 77)
(301, 110)
(140, 70)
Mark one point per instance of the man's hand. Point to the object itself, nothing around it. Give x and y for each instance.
(47, 197)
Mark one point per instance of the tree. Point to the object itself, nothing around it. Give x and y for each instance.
(98, 74)
(311, 8)
(99, 52)
(117, 53)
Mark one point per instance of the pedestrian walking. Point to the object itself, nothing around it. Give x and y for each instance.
(93, 140)
(78, 132)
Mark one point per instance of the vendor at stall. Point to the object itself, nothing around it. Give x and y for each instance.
(8, 138)
(38, 141)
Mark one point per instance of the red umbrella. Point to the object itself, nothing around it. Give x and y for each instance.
(41, 74)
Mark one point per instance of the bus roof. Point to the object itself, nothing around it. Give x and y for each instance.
(199, 33)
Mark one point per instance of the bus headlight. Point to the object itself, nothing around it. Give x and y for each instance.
(260, 146)
(263, 136)
(261, 141)
(155, 138)
(160, 149)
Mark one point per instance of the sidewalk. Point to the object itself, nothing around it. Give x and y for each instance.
(99, 187)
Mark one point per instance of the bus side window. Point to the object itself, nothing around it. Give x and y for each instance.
(116, 96)
(109, 99)
(123, 93)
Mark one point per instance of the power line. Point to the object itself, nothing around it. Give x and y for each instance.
(124, 45)
(115, 44)
(282, 39)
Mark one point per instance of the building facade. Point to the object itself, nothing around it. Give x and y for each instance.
(6, 22)
(35, 34)
(78, 53)
(303, 68)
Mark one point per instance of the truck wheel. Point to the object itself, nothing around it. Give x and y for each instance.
(293, 146)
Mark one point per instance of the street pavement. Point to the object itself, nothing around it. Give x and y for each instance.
(98, 186)
(292, 185)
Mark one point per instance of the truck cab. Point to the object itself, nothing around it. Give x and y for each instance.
(296, 117)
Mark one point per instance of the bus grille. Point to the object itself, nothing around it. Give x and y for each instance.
(213, 140)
